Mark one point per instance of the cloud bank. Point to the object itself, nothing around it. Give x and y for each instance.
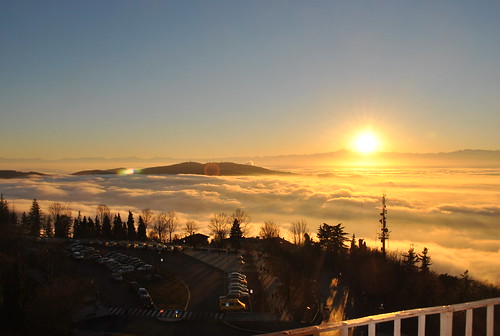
(453, 213)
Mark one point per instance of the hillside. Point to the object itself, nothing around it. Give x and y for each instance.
(195, 168)
(8, 174)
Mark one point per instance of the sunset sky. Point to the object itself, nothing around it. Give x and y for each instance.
(228, 78)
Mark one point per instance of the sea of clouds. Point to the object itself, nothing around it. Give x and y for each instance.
(454, 213)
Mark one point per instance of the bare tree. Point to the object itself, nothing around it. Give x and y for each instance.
(58, 209)
(298, 230)
(147, 217)
(269, 230)
(191, 227)
(160, 226)
(103, 211)
(243, 218)
(172, 223)
(219, 226)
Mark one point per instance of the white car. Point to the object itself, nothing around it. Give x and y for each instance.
(238, 294)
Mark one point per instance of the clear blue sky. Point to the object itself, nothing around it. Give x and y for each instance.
(239, 78)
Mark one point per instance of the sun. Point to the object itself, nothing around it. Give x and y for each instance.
(366, 142)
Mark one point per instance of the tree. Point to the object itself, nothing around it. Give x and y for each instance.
(172, 223)
(269, 230)
(243, 219)
(160, 226)
(4, 211)
(103, 211)
(48, 228)
(147, 217)
(425, 260)
(97, 226)
(410, 259)
(191, 227)
(298, 229)
(117, 227)
(62, 226)
(219, 226)
(130, 227)
(332, 237)
(141, 229)
(106, 226)
(235, 234)
(35, 216)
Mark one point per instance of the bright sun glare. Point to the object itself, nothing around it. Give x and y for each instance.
(366, 142)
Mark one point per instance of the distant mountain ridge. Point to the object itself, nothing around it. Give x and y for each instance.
(194, 168)
(10, 174)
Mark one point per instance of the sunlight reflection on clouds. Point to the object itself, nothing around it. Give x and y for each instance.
(456, 210)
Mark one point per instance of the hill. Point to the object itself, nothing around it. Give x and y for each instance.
(8, 174)
(194, 168)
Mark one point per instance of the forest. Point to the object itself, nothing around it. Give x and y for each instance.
(366, 280)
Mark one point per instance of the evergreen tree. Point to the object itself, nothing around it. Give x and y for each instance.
(106, 227)
(117, 227)
(4, 211)
(332, 237)
(235, 234)
(97, 226)
(25, 225)
(49, 228)
(77, 227)
(130, 227)
(35, 219)
(410, 259)
(91, 228)
(141, 229)
(425, 260)
(62, 226)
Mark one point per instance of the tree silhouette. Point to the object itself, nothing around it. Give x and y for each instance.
(106, 226)
(191, 227)
(425, 260)
(410, 259)
(235, 234)
(269, 230)
(219, 226)
(141, 229)
(298, 229)
(117, 227)
(35, 216)
(130, 227)
(172, 224)
(332, 237)
(243, 219)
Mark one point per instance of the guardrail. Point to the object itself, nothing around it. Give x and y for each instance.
(445, 327)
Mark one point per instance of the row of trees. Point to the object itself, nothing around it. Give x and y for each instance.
(164, 226)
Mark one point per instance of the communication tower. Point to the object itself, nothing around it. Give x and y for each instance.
(384, 231)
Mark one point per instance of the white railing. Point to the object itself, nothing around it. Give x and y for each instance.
(445, 327)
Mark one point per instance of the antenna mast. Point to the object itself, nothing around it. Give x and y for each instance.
(384, 231)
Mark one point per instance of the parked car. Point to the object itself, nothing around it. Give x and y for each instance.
(116, 277)
(77, 255)
(237, 274)
(238, 294)
(236, 286)
(238, 281)
(143, 293)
